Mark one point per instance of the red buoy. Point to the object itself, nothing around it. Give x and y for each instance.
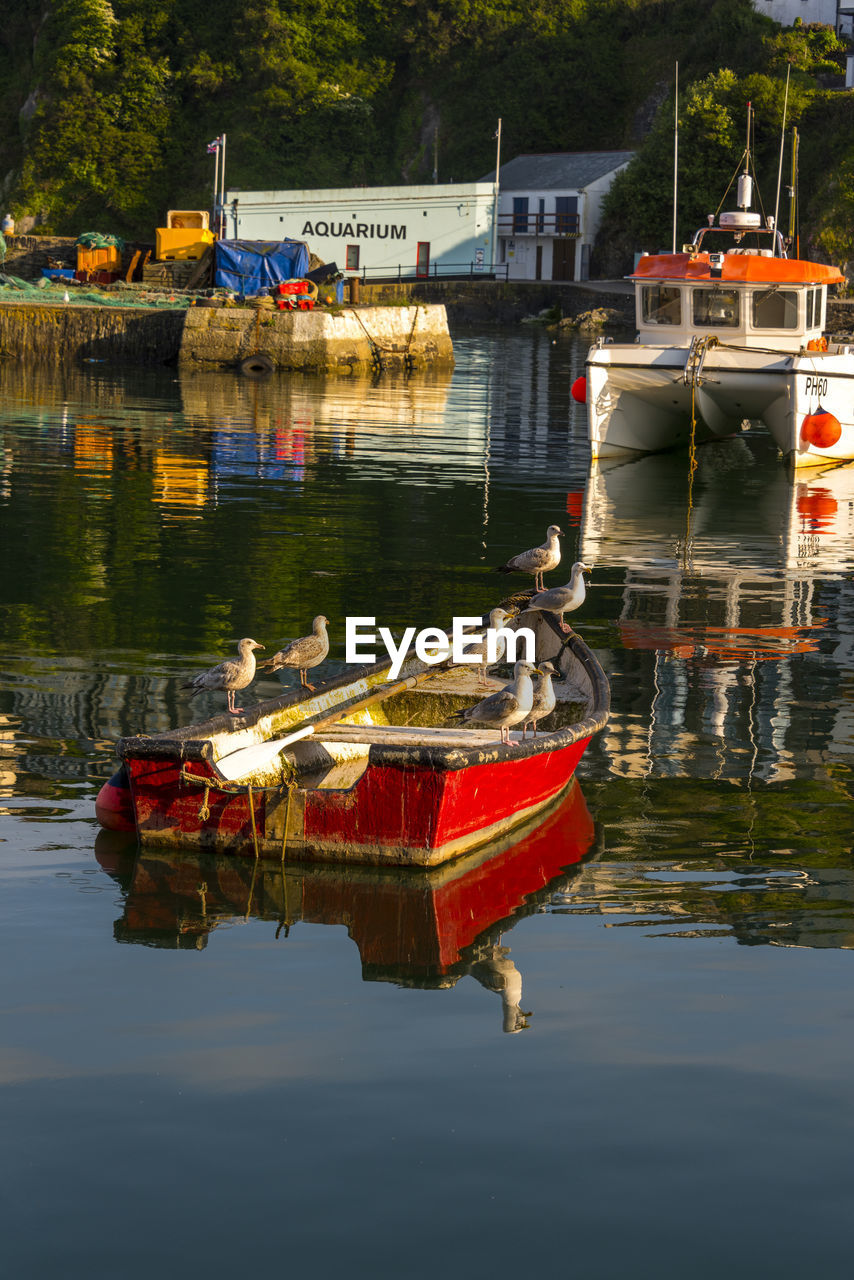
(578, 390)
(821, 429)
(113, 807)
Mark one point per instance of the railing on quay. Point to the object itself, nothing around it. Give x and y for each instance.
(436, 271)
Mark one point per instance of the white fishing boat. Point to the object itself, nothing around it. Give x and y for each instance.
(729, 332)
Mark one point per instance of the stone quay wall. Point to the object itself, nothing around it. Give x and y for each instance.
(346, 340)
(342, 340)
(115, 335)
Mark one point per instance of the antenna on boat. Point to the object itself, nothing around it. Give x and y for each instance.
(793, 196)
(782, 140)
(675, 151)
(745, 182)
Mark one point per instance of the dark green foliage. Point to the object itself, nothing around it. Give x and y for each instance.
(120, 98)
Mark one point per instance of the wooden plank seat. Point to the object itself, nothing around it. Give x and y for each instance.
(397, 734)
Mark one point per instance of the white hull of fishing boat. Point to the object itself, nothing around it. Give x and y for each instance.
(643, 398)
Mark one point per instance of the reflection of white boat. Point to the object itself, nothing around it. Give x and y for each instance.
(641, 514)
(728, 331)
(714, 585)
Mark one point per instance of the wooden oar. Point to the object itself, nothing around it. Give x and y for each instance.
(262, 754)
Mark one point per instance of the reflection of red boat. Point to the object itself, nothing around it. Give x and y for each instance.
(415, 927)
(362, 771)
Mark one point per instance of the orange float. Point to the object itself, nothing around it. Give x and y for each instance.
(821, 429)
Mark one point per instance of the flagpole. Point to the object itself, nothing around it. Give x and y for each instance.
(221, 225)
(215, 188)
(495, 197)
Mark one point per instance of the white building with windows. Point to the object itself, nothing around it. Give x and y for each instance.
(378, 232)
(549, 210)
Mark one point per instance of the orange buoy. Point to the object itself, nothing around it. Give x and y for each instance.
(821, 429)
(113, 807)
(578, 390)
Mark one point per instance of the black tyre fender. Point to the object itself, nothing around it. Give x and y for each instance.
(257, 366)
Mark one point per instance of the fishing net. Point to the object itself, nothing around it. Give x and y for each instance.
(54, 292)
(94, 240)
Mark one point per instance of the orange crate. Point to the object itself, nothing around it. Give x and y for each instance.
(108, 259)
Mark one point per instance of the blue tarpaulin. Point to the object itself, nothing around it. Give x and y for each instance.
(250, 267)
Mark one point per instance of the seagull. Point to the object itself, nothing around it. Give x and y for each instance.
(538, 560)
(230, 675)
(544, 696)
(305, 653)
(497, 619)
(561, 600)
(510, 705)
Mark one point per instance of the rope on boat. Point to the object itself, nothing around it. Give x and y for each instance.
(697, 353)
(252, 819)
(287, 783)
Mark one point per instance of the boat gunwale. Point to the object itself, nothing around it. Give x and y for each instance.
(175, 745)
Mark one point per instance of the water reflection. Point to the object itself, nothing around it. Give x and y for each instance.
(415, 929)
(737, 585)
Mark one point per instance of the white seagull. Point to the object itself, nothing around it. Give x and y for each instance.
(561, 600)
(544, 696)
(303, 654)
(538, 560)
(508, 706)
(497, 619)
(231, 675)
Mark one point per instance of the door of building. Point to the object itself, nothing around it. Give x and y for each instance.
(563, 260)
(538, 269)
(422, 260)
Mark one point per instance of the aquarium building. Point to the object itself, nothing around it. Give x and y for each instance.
(378, 232)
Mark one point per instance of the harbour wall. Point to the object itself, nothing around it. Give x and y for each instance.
(338, 340)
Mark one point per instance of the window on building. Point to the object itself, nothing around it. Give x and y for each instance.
(661, 304)
(566, 215)
(422, 259)
(541, 216)
(520, 214)
(715, 308)
(352, 257)
(777, 309)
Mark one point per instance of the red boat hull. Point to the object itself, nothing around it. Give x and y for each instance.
(411, 816)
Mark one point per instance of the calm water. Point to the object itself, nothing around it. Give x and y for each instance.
(210, 1072)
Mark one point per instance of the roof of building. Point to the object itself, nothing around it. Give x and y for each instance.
(558, 170)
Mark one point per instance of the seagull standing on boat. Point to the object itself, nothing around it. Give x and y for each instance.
(508, 706)
(303, 654)
(231, 675)
(538, 560)
(498, 618)
(544, 696)
(561, 600)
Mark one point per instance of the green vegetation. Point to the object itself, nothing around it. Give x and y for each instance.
(113, 102)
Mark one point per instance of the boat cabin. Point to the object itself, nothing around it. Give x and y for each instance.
(670, 311)
(734, 282)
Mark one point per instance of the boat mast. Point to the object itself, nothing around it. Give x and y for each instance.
(675, 151)
(793, 196)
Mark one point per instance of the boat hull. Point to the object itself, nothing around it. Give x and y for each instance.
(643, 399)
(409, 816)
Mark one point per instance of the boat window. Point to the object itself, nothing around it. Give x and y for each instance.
(777, 309)
(661, 305)
(715, 308)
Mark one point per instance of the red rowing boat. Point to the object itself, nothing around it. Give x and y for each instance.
(361, 770)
